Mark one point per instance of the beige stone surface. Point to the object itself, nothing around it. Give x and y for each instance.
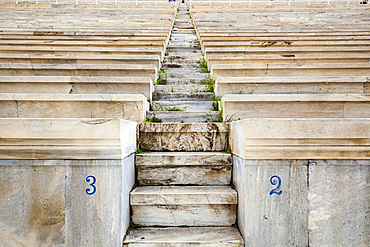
(292, 85)
(116, 70)
(181, 168)
(276, 219)
(78, 58)
(44, 202)
(295, 106)
(126, 106)
(304, 138)
(184, 236)
(184, 136)
(32, 203)
(298, 58)
(339, 201)
(77, 85)
(286, 69)
(66, 138)
(183, 205)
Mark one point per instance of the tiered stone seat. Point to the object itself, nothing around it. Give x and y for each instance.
(295, 50)
(68, 52)
(76, 85)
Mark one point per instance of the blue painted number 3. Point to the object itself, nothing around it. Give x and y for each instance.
(275, 180)
(88, 190)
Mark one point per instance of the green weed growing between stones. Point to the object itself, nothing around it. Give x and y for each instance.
(203, 65)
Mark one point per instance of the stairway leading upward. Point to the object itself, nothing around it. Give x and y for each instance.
(184, 195)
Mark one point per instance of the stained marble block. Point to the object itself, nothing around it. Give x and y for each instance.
(183, 206)
(303, 202)
(184, 136)
(266, 218)
(32, 203)
(45, 202)
(339, 199)
(180, 168)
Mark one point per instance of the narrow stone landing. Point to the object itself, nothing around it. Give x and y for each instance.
(185, 236)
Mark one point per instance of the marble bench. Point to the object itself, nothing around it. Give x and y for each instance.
(125, 106)
(299, 58)
(285, 50)
(286, 69)
(77, 85)
(79, 59)
(242, 106)
(39, 69)
(293, 85)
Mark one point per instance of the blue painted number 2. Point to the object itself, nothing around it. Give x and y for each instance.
(275, 180)
(93, 190)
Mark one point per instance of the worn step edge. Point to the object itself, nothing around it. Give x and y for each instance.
(184, 237)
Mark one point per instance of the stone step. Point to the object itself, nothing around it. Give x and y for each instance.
(177, 73)
(183, 205)
(183, 60)
(183, 168)
(187, 106)
(185, 81)
(167, 89)
(184, 136)
(181, 96)
(184, 237)
(183, 116)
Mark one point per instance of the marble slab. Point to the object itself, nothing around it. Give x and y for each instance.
(126, 106)
(184, 236)
(301, 138)
(66, 138)
(295, 106)
(183, 168)
(184, 136)
(77, 85)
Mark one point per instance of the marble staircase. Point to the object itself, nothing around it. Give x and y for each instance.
(181, 89)
(184, 195)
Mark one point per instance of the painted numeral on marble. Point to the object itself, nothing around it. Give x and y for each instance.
(275, 180)
(91, 180)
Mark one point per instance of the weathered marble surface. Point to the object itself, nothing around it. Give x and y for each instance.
(66, 138)
(180, 168)
(32, 203)
(44, 203)
(182, 195)
(339, 199)
(183, 205)
(272, 220)
(185, 236)
(291, 85)
(124, 70)
(301, 138)
(76, 85)
(295, 106)
(126, 106)
(103, 218)
(322, 201)
(184, 215)
(184, 136)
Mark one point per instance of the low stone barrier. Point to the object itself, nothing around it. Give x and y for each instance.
(121, 70)
(79, 59)
(309, 175)
(296, 59)
(293, 85)
(277, 70)
(77, 85)
(59, 174)
(126, 106)
(295, 106)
